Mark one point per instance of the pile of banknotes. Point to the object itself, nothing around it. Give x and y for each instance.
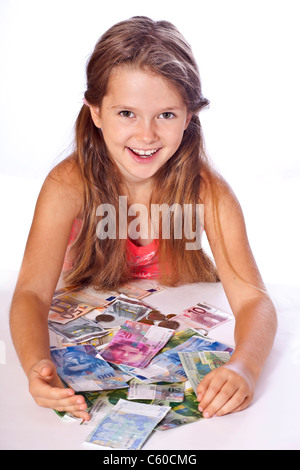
(137, 368)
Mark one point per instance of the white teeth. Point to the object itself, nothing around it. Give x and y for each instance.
(144, 153)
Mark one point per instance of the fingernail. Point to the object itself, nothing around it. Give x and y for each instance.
(206, 415)
(200, 408)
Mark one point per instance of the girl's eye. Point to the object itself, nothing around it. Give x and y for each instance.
(167, 115)
(126, 114)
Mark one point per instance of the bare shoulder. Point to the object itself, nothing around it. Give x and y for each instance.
(58, 204)
(222, 210)
(215, 188)
(65, 183)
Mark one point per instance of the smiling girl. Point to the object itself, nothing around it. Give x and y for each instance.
(138, 135)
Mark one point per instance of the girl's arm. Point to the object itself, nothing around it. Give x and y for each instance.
(231, 387)
(58, 205)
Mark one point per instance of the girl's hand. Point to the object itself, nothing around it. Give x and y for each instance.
(225, 390)
(48, 391)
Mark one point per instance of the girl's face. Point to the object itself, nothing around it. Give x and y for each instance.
(142, 118)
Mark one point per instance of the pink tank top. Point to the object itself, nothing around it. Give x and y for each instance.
(143, 260)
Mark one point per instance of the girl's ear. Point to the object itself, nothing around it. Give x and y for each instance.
(95, 114)
(188, 120)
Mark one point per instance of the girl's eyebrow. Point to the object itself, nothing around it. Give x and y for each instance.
(132, 108)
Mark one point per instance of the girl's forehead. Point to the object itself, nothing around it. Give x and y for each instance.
(132, 81)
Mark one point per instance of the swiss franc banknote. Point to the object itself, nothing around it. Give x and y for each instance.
(83, 370)
(171, 392)
(198, 364)
(166, 366)
(79, 330)
(135, 344)
(120, 310)
(127, 425)
(181, 413)
(170, 359)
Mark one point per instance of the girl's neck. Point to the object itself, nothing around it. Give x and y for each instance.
(139, 193)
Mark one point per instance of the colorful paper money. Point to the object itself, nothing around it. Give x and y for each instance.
(202, 315)
(166, 366)
(136, 344)
(198, 364)
(79, 330)
(83, 370)
(70, 303)
(169, 360)
(140, 391)
(120, 310)
(181, 413)
(127, 425)
(88, 295)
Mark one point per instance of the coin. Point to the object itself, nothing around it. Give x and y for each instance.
(147, 321)
(172, 325)
(156, 315)
(104, 317)
(171, 315)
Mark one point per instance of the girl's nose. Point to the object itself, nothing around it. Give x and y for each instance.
(146, 132)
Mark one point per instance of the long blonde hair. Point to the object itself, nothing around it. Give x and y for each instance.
(157, 46)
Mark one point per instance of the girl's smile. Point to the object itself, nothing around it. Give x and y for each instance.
(143, 156)
(143, 118)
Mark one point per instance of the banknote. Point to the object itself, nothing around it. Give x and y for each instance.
(62, 342)
(181, 413)
(135, 344)
(180, 337)
(170, 359)
(202, 315)
(150, 374)
(132, 290)
(153, 373)
(104, 402)
(88, 295)
(142, 286)
(120, 310)
(79, 330)
(70, 303)
(170, 392)
(166, 366)
(127, 425)
(198, 364)
(83, 369)
(158, 371)
(64, 310)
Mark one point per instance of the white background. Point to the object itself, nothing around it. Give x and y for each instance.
(248, 55)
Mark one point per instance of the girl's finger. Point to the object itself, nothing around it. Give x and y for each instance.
(62, 404)
(228, 399)
(40, 388)
(210, 392)
(234, 405)
(203, 386)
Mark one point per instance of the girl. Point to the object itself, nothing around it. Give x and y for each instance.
(138, 137)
